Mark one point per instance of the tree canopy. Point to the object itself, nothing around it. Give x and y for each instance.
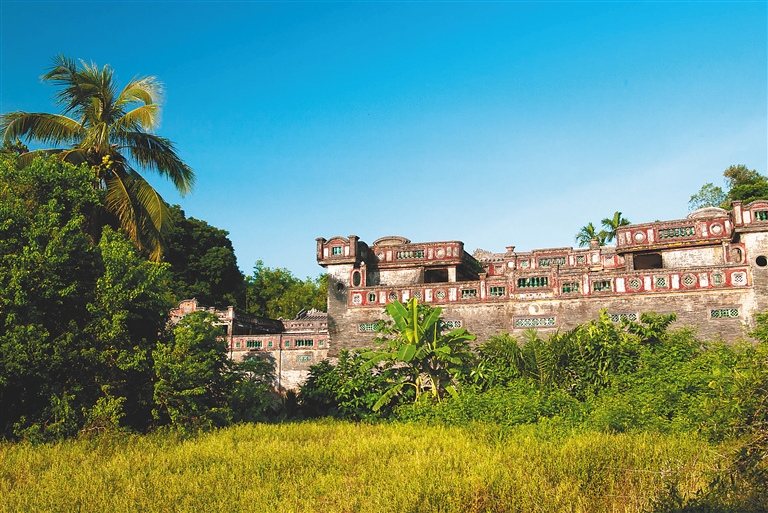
(741, 184)
(203, 263)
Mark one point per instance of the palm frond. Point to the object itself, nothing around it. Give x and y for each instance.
(144, 117)
(146, 90)
(120, 201)
(158, 154)
(42, 127)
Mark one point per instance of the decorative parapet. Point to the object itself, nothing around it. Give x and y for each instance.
(751, 217)
(570, 286)
(407, 254)
(701, 227)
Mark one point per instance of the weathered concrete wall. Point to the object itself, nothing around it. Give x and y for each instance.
(400, 277)
(692, 257)
(291, 365)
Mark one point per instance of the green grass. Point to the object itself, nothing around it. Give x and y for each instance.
(348, 467)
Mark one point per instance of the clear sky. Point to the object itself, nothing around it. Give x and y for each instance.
(503, 123)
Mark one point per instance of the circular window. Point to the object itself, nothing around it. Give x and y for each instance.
(339, 287)
(356, 279)
(639, 237)
(761, 261)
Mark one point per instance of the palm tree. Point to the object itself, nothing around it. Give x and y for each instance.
(111, 131)
(589, 233)
(612, 224)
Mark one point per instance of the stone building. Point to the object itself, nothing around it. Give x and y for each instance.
(293, 345)
(709, 268)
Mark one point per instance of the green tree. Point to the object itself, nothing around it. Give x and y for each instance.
(741, 184)
(78, 319)
(745, 184)
(48, 269)
(128, 311)
(277, 293)
(192, 386)
(203, 263)
(709, 195)
(589, 233)
(422, 356)
(110, 130)
(612, 224)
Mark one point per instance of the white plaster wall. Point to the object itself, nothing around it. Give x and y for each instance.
(400, 277)
(693, 257)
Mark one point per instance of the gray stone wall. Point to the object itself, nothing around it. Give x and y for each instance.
(693, 308)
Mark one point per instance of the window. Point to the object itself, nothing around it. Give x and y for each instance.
(254, 344)
(498, 291)
(468, 293)
(761, 261)
(673, 233)
(548, 262)
(269, 344)
(570, 288)
(532, 322)
(368, 326)
(436, 276)
(303, 358)
(617, 317)
(320, 342)
(287, 343)
(601, 286)
(661, 282)
(450, 325)
(371, 297)
(761, 215)
(304, 342)
(336, 250)
(237, 345)
(536, 281)
(356, 279)
(724, 313)
(647, 261)
(418, 253)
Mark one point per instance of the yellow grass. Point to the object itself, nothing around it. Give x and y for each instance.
(347, 467)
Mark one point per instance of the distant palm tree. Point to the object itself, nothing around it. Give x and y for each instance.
(109, 130)
(589, 233)
(612, 224)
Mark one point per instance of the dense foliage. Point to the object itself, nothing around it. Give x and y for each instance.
(276, 293)
(83, 339)
(202, 263)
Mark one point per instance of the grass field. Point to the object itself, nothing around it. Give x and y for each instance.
(349, 467)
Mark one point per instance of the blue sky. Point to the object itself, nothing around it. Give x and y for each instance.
(504, 123)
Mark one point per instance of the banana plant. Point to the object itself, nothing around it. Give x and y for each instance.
(426, 359)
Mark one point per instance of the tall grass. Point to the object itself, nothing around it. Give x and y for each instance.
(352, 467)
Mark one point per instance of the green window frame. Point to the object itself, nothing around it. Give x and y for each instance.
(570, 287)
(601, 286)
(498, 291)
(535, 281)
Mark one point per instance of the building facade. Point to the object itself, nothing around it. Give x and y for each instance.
(293, 345)
(710, 269)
